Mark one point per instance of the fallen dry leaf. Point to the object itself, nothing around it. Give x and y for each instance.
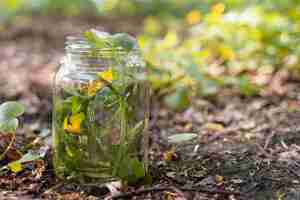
(214, 127)
(170, 155)
(115, 188)
(277, 85)
(177, 195)
(71, 196)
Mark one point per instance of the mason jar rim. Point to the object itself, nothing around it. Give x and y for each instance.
(76, 43)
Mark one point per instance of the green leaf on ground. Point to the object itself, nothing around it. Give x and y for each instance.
(9, 126)
(181, 137)
(9, 111)
(29, 157)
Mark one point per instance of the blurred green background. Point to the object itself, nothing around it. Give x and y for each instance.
(194, 48)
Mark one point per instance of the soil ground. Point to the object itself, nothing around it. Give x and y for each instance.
(248, 148)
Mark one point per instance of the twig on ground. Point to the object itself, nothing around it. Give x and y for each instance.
(159, 189)
(264, 152)
(12, 140)
(291, 170)
(55, 187)
(269, 139)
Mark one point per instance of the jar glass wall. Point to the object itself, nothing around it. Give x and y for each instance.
(100, 114)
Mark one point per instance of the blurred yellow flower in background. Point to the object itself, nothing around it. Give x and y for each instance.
(218, 9)
(72, 124)
(170, 40)
(193, 17)
(152, 25)
(188, 81)
(227, 53)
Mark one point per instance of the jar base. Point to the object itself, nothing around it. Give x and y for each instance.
(84, 177)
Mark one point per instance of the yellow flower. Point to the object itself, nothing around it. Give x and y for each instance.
(106, 75)
(95, 85)
(72, 124)
(193, 17)
(218, 8)
(227, 53)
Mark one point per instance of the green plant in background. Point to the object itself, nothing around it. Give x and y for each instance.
(221, 48)
(104, 148)
(203, 46)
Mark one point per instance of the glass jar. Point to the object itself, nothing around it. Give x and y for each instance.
(100, 114)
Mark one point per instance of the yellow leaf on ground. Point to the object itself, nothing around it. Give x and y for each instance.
(15, 167)
(219, 179)
(170, 195)
(170, 155)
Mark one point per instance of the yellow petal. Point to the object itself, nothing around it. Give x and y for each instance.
(214, 127)
(93, 87)
(66, 125)
(76, 119)
(73, 123)
(106, 75)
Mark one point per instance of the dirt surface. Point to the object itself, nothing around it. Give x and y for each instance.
(247, 148)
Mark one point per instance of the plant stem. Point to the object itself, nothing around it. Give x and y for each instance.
(8, 146)
(123, 121)
(123, 134)
(92, 142)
